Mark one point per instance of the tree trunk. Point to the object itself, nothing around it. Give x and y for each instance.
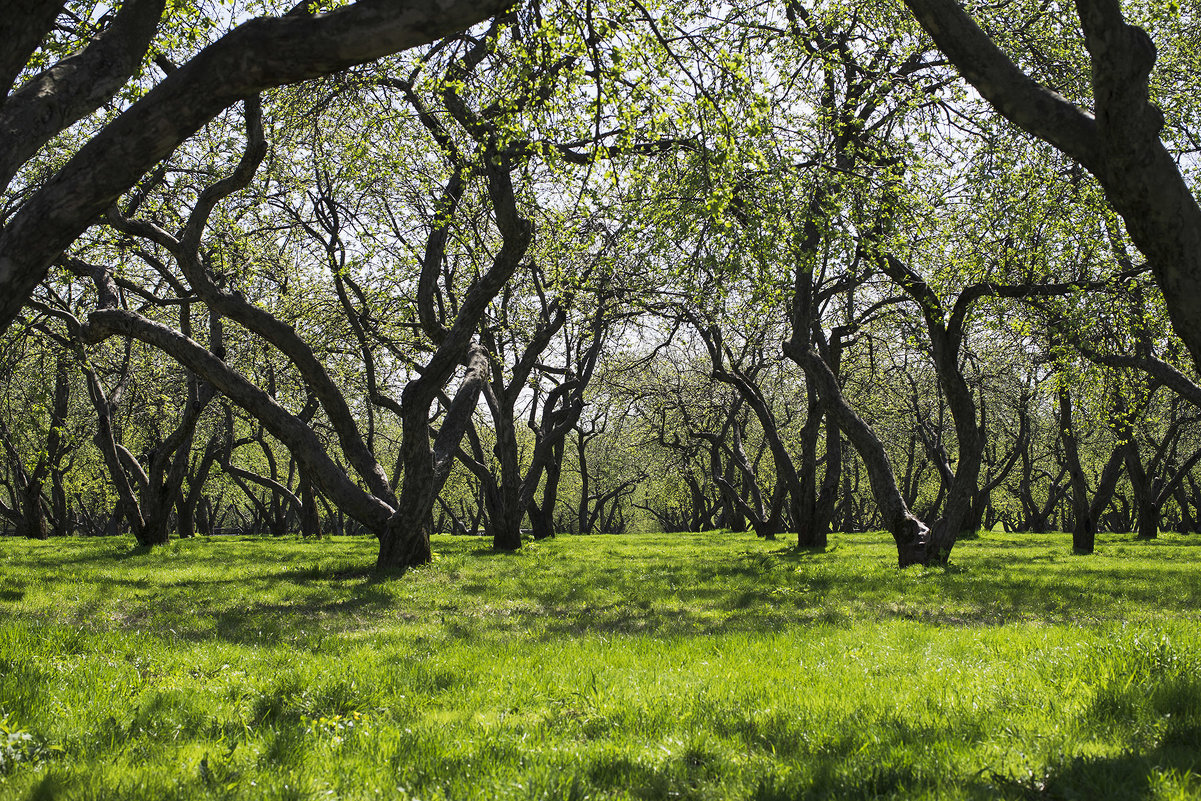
(504, 507)
(1148, 521)
(404, 541)
(804, 506)
(828, 496)
(310, 520)
(58, 502)
(1118, 142)
(33, 521)
(1146, 509)
(542, 518)
(1084, 529)
(911, 536)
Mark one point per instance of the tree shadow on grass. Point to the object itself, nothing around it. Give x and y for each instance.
(1129, 776)
(269, 623)
(742, 590)
(900, 765)
(805, 552)
(133, 552)
(767, 590)
(319, 573)
(486, 551)
(1132, 775)
(92, 557)
(236, 610)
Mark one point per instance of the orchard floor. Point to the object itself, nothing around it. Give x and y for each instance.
(710, 666)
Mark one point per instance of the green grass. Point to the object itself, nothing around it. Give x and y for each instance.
(644, 667)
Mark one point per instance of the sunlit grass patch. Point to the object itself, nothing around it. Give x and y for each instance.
(686, 666)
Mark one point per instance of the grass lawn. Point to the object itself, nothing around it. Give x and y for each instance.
(689, 666)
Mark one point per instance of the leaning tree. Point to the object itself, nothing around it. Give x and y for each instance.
(1112, 121)
(82, 120)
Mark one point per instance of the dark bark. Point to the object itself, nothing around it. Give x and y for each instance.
(804, 505)
(1036, 516)
(33, 519)
(945, 328)
(509, 495)
(405, 542)
(946, 336)
(160, 481)
(911, 536)
(823, 517)
(853, 150)
(105, 438)
(1084, 527)
(279, 495)
(1108, 482)
(188, 504)
(542, 515)
(998, 467)
(560, 414)
(731, 473)
(1185, 504)
(186, 249)
(695, 515)
(1153, 481)
(581, 451)
(23, 26)
(310, 518)
(400, 522)
(426, 468)
(284, 426)
(1144, 498)
(814, 516)
(766, 521)
(75, 86)
(744, 495)
(257, 55)
(34, 516)
(1120, 145)
(1193, 500)
(1153, 366)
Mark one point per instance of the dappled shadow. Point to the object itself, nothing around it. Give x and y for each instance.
(805, 551)
(203, 594)
(270, 623)
(319, 573)
(251, 595)
(119, 550)
(894, 739)
(488, 550)
(846, 768)
(1128, 776)
(1021, 540)
(899, 761)
(787, 587)
(107, 550)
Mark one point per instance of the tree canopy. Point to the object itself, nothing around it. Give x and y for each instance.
(400, 268)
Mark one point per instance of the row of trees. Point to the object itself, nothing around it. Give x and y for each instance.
(770, 268)
(669, 444)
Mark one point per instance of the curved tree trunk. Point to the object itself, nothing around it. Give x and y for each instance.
(542, 517)
(911, 535)
(1118, 142)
